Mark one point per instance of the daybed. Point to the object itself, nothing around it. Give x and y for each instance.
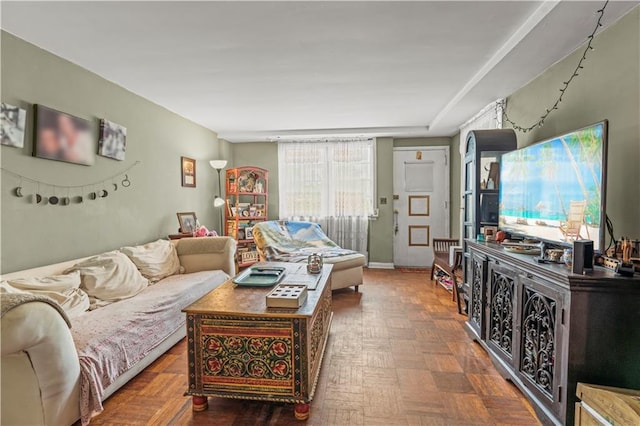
(293, 241)
(55, 372)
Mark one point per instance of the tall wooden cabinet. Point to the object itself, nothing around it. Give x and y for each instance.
(247, 201)
(547, 329)
(481, 187)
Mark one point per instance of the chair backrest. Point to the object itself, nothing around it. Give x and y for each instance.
(442, 245)
(575, 218)
(576, 211)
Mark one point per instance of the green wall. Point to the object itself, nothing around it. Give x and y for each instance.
(607, 88)
(33, 235)
(265, 155)
(381, 229)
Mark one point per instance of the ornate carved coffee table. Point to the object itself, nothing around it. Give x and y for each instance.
(239, 348)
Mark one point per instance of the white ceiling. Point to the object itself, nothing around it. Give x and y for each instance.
(257, 70)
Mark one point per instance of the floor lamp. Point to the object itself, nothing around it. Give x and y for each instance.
(218, 201)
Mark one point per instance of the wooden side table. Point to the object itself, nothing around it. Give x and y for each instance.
(179, 236)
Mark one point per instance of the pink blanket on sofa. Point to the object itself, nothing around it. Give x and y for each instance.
(112, 339)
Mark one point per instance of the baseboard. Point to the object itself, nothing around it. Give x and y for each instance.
(380, 265)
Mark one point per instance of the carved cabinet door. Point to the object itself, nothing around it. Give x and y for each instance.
(501, 304)
(478, 284)
(539, 327)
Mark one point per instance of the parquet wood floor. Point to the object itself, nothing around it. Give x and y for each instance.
(397, 355)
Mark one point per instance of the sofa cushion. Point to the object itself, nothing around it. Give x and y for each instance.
(346, 262)
(109, 277)
(204, 254)
(155, 260)
(64, 289)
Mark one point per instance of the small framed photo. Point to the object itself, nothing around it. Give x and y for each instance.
(188, 222)
(490, 233)
(12, 125)
(188, 167)
(248, 232)
(259, 210)
(113, 140)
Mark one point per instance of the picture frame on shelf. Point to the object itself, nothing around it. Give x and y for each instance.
(247, 181)
(248, 233)
(260, 210)
(250, 256)
(188, 169)
(241, 235)
(490, 233)
(188, 222)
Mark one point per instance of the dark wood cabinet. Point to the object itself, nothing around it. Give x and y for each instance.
(500, 315)
(540, 325)
(478, 285)
(547, 329)
(483, 151)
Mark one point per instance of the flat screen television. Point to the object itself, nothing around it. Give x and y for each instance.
(555, 190)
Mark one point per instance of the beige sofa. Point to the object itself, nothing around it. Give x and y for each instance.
(42, 378)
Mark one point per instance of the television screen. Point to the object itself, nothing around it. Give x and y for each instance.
(555, 190)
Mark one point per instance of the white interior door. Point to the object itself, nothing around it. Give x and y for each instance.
(420, 202)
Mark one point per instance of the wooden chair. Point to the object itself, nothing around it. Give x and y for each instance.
(571, 228)
(441, 248)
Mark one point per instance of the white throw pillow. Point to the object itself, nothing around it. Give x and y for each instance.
(155, 260)
(110, 277)
(64, 289)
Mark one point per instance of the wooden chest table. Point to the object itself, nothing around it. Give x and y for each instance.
(239, 348)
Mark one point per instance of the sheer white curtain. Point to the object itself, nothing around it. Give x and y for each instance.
(331, 183)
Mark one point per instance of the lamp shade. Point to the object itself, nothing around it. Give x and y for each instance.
(218, 202)
(218, 164)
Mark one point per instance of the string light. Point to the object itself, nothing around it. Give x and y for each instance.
(565, 86)
(126, 181)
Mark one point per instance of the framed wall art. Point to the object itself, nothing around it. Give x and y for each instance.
(12, 124)
(63, 137)
(113, 140)
(188, 167)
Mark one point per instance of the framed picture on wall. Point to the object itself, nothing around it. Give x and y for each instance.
(12, 125)
(188, 167)
(113, 140)
(63, 137)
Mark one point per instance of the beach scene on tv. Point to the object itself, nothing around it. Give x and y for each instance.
(553, 189)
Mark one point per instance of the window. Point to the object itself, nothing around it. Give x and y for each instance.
(326, 179)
